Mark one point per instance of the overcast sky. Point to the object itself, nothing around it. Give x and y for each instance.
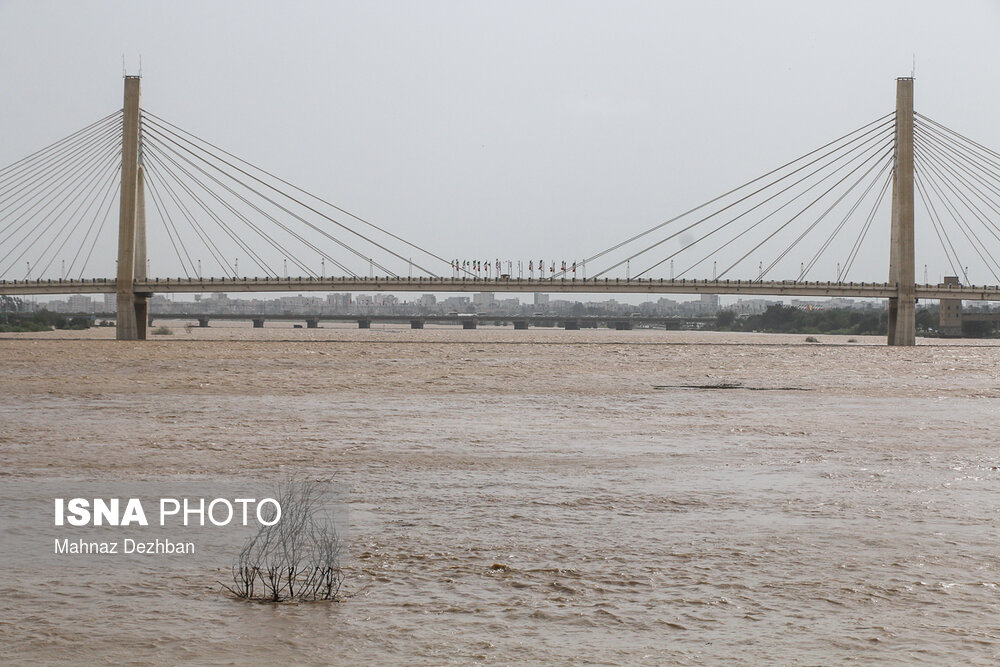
(506, 129)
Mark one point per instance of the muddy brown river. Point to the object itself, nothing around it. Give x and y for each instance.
(534, 497)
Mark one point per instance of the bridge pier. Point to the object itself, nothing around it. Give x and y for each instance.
(416, 323)
(571, 325)
(141, 316)
(312, 323)
(127, 328)
(469, 323)
(950, 324)
(902, 307)
(202, 322)
(258, 323)
(521, 324)
(364, 324)
(623, 325)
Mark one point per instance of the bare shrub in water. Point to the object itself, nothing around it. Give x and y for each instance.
(298, 558)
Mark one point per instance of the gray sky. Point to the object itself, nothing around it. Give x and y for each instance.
(513, 129)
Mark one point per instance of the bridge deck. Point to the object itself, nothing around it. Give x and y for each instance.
(563, 285)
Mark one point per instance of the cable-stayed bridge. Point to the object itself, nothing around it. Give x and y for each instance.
(202, 209)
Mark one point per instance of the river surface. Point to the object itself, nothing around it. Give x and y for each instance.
(535, 497)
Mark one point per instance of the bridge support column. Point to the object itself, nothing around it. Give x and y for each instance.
(571, 325)
(416, 324)
(520, 324)
(902, 307)
(364, 324)
(469, 323)
(127, 326)
(312, 323)
(951, 313)
(141, 315)
(202, 322)
(258, 323)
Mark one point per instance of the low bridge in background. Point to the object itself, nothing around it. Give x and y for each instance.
(465, 320)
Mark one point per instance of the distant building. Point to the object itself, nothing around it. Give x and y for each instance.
(80, 303)
(158, 304)
(509, 305)
(710, 303)
(110, 303)
(339, 301)
(483, 300)
(665, 305)
(541, 299)
(456, 303)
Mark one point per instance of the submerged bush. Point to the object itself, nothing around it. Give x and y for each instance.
(296, 559)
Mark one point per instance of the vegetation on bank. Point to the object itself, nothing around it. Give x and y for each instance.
(980, 330)
(779, 318)
(11, 320)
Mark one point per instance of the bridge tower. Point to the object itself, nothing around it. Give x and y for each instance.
(902, 307)
(131, 317)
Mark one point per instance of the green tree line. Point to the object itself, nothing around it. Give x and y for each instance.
(14, 319)
(779, 318)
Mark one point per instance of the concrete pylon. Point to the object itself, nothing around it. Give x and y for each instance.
(902, 307)
(128, 327)
(141, 298)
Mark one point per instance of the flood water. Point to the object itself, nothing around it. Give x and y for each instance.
(537, 496)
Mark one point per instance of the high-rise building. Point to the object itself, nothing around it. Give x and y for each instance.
(339, 301)
(80, 303)
(709, 303)
(483, 299)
